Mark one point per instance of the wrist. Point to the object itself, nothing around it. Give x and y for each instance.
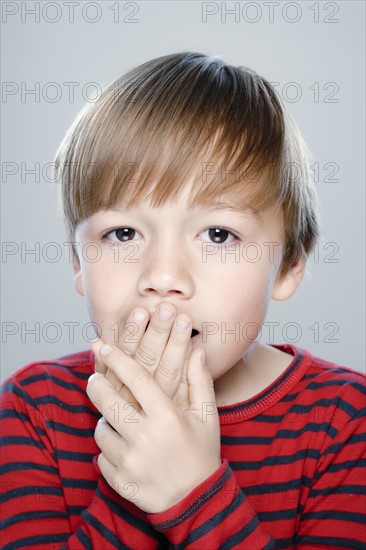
(181, 493)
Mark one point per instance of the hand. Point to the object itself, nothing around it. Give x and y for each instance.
(163, 350)
(165, 451)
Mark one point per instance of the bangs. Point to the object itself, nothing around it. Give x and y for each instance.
(173, 120)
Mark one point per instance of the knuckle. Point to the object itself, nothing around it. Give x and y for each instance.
(128, 351)
(120, 459)
(171, 421)
(99, 433)
(90, 381)
(184, 379)
(91, 384)
(115, 484)
(141, 379)
(145, 357)
(141, 439)
(159, 329)
(167, 371)
(127, 461)
(208, 384)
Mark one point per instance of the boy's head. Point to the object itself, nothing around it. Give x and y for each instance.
(189, 114)
(152, 156)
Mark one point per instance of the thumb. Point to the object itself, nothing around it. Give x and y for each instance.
(200, 383)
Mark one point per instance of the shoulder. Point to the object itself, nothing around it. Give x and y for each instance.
(326, 374)
(67, 372)
(329, 386)
(321, 370)
(342, 388)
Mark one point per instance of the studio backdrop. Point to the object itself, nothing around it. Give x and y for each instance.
(58, 56)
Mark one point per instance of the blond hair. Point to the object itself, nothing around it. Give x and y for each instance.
(189, 114)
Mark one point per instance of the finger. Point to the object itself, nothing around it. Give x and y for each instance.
(110, 442)
(99, 365)
(108, 470)
(169, 371)
(129, 339)
(201, 386)
(153, 342)
(133, 330)
(116, 383)
(181, 397)
(103, 369)
(122, 389)
(116, 410)
(126, 489)
(140, 382)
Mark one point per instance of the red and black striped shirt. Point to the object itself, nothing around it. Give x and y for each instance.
(292, 472)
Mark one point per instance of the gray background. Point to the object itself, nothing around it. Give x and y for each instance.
(326, 315)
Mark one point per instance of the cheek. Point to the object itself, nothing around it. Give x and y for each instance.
(245, 291)
(109, 295)
(102, 289)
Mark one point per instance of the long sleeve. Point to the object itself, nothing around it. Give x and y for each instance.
(216, 514)
(44, 509)
(334, 513)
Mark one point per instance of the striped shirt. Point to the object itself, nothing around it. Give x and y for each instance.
(292, 473)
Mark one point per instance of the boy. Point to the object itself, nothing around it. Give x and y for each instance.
(183, 169)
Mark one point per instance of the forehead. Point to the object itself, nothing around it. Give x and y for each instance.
(209, 205)
(221, 204)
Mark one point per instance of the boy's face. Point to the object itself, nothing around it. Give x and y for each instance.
(178, 255)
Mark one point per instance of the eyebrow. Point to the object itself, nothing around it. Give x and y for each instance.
(217, 205)
(235, 208)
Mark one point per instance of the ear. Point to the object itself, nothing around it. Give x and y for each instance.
(287, 285)
(78, 276)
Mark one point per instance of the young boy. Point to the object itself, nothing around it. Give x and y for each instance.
(187, 196)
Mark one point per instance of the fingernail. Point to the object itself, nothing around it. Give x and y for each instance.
(139, 316)
(105, 349)
(182, 325)
(165, 314)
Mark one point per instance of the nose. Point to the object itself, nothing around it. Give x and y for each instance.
(166, 271)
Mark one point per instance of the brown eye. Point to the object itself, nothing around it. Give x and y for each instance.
(125, 233)
(218, 235)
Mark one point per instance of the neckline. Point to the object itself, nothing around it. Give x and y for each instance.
(244, 410)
